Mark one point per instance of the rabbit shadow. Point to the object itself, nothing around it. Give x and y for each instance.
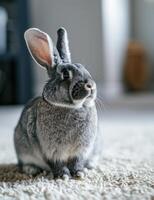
(11, 173)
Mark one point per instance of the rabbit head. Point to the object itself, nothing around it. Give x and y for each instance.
(69, 85)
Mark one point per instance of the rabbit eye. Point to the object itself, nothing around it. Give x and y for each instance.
(66, 74)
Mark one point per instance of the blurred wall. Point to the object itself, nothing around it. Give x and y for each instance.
(83, 20)
(143, 29)
(116, 34)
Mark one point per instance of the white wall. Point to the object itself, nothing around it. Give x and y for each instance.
(82, 19)
(116, 33)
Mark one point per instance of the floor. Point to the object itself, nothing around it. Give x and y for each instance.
(125, 170)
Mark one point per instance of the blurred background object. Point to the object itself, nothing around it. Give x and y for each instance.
(136, 68)
(3, 28)
(15, 70)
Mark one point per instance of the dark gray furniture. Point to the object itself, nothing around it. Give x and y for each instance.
(15, 67)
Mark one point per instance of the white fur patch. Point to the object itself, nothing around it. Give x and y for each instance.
(78, 104)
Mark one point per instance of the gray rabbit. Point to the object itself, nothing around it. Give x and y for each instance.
(57, 131)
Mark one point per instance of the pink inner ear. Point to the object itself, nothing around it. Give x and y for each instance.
(40, 50)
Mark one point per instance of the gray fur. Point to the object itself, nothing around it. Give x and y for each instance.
(57, 132)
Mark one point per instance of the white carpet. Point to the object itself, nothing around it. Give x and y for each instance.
(125, 171)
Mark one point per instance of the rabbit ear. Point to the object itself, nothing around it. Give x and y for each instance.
(40, 47)
(63, 45)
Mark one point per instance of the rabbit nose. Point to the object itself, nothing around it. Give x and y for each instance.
(90, 86)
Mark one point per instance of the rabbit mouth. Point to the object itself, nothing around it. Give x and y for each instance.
(88, 101)
(80, 94)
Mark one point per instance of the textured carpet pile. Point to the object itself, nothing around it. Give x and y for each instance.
(125, 170)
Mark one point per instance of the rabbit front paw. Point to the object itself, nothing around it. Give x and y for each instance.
(76, 167)
(59, 170)
(63, 173)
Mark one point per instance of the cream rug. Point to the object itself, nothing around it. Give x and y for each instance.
(125, 170)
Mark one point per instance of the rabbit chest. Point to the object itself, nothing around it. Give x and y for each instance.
(66, 132)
